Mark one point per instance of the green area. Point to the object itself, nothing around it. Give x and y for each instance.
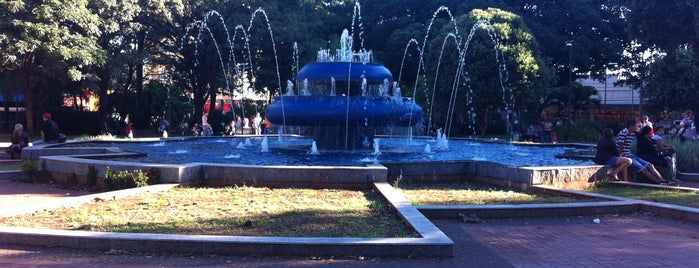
(675, 197)
(11, 166)
(469, 193)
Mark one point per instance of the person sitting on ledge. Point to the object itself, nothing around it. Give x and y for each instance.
(607, 154)
(19, 140)
(647, 149)
(624, 140)
(49, 130)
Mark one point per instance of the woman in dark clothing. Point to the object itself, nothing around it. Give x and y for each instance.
(646, 150)
(19, 140)
(608, 154)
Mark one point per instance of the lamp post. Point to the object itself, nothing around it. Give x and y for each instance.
(569, 44)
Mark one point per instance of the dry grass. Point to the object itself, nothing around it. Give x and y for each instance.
(11, 166)
(245, 211)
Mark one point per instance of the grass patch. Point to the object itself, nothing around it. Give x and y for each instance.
(675, 197)
(468, 193)
(11, 166)
(246, 211)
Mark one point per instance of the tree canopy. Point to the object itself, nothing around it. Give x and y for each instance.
(209, 49)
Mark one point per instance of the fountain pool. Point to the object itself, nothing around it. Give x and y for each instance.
(297, 151)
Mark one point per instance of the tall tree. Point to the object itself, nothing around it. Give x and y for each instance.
(665, 24)
(503, 67)
(63, 33)
(672, 88)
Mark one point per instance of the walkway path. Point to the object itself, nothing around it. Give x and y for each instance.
(636, 240)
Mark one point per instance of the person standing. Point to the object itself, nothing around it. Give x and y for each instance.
(646, 122)
(546, 127)
(257, 124)
(268, 126)
(206, 128)
(238, 129)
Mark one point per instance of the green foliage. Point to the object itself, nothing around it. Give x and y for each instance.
(31, 172)
(76, 122)
(91, 176)
(504, 41)
(583, 131)
(649, 21)
(673, 82)
(217, 120)
(72, 179)
(154, 176)
(124, 180)
(687, 155)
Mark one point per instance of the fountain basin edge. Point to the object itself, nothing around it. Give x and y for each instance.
(65, 162)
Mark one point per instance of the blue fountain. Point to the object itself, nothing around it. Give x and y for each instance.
(344, 100)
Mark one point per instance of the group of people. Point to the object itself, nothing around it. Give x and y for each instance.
(253, 125)
(543, 132)
(651, 151)
(686, 130)
(19, 139)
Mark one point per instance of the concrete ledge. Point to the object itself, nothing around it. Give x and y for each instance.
(62, 167)
(293, 176)
(6, 175)
(559, 176)
(417, 220)
(689, 177)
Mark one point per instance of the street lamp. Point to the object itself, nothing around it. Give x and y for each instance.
(569, 44)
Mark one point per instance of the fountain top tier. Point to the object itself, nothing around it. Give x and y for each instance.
(344, 99)
(344, 69)
(345, 52)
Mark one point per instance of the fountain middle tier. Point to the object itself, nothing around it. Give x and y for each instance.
(366, 111)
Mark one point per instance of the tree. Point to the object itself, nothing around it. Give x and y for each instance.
(48, 39)
(503, 67)
(673, 88)
(665, 24)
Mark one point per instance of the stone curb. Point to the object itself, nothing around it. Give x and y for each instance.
(7, 175)
(616, 205)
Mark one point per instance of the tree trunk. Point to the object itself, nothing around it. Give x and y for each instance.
(27, 69)
(483, 124)
(212, 99)
(104, 104)
(6, 114)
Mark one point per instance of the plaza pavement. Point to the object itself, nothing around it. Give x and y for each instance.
(624, 240)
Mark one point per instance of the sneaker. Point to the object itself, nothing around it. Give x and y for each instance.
(614, 177)
(672, 183)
